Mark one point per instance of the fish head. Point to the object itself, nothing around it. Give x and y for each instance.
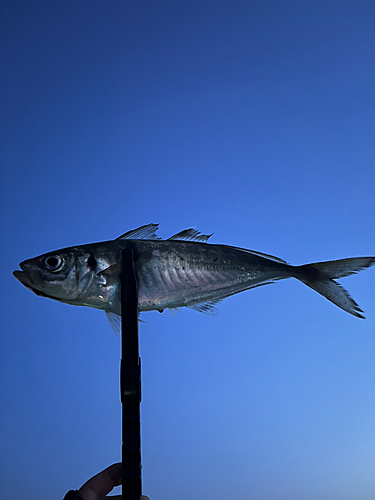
(63, 275)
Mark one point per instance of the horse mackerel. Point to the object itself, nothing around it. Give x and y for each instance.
(183, 270)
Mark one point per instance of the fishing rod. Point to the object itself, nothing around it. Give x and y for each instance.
(130, 380)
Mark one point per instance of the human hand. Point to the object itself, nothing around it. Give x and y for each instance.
(98, 486)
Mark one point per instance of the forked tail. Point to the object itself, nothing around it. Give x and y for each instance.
(321, 278)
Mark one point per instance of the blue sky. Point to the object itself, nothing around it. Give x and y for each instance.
(252, 120)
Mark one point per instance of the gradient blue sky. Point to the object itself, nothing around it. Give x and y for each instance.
(252, 120)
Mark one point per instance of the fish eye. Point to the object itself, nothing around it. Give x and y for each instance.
(53, 263)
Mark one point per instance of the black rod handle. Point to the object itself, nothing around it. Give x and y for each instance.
(130, 380)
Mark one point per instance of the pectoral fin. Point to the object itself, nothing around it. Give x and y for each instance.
(110, 275)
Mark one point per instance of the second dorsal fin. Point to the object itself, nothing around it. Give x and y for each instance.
(190, 234)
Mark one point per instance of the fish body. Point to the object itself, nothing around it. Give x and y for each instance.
(184, 270)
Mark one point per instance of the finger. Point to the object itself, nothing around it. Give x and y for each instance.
(98, 486)
(119, 497)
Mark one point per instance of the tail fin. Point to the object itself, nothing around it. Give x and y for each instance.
(320, 277)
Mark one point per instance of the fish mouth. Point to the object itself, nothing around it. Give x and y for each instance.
(23, 276)
(26, 280)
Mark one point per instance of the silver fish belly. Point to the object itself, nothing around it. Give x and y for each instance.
(181, 271)
(176, 274)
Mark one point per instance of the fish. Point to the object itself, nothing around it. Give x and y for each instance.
(181, 271)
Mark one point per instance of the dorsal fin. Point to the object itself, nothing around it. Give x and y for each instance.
(190, 234)
(147, 232)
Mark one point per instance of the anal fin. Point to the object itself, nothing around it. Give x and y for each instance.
(208, 307)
